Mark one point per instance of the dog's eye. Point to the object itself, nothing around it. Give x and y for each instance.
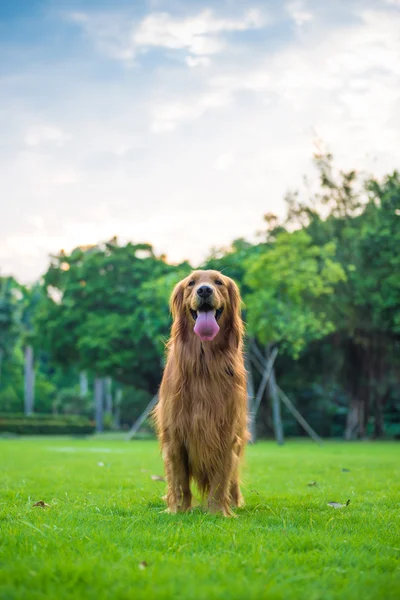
(191, 283)
(218, 282)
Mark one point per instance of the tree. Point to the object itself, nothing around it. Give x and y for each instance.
(30, 298)
(232, 261)
(9, 327)
(376, 284)
(92, 316)
(154, 298)
(362, 218)
(287, 283)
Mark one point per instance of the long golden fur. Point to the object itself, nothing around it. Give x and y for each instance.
(201, 416)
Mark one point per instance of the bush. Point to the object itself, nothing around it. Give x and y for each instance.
(11, 398)
(45, 424)
(45, 393)
(134, 401)
(69, 401)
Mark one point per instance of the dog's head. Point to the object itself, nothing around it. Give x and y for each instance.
(208, 304)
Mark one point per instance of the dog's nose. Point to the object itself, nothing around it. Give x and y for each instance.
(204, 291)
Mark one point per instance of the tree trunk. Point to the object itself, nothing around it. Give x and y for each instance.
(353, 420)
(98, 401)
(29, 376)
(108, 395)
(276, 408)
(117, 411)
(83, 383)
(358, 363)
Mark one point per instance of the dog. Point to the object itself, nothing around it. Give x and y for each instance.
(201, 415)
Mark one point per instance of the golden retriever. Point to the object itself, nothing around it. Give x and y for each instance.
(201, 416)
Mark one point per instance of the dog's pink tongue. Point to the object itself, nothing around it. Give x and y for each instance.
(206, 326)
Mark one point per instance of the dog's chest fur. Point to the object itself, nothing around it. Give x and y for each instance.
(204, 408)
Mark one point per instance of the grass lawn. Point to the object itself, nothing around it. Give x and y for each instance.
(104, 534)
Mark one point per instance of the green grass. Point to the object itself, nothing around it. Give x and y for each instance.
(103, 521)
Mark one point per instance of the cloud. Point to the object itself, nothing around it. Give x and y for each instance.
(344, 82)
(193, 33)
(198, 61)
(223, 161)
(40, 134)
(298, 12)
(198, 35)
(167, 116)
(352, 72)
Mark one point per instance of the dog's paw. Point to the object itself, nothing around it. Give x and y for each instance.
(170, 510)
(221, 509)
(173, 510)
(238, 503)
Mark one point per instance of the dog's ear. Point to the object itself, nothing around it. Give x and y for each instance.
(234, 297)
(176, 300)
(179, 328)
(235, 325)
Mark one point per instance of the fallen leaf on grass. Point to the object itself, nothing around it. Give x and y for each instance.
(41, 503)
(157, 478)
(338, 504)
(143, 565)
(312, 483)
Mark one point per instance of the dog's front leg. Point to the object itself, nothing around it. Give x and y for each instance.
(179, 496)
(236, 497)
(219, 496)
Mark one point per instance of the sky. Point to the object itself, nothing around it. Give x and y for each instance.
(181, 123)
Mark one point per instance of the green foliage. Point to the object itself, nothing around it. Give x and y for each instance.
(11, 397)
(233, 261)
(8, 316)
(12, 384)
(69, 401)
(45, 425)
(44, 417)
(92, 316)
(30, 298)
(45, 393)
(154, 301)
(287, 283)
(133, 403)
(377, 281)
(363, 222)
